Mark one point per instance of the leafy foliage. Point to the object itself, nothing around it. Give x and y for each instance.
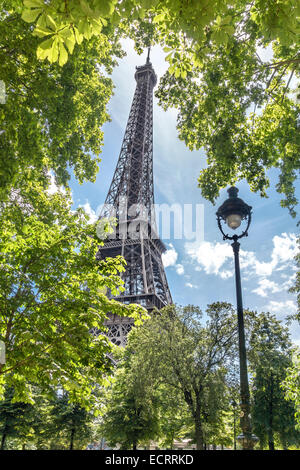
(270, 356)
(237, 108)
(69, 22)
(130, 417)
(52, 115)
(296, 287)
(49, 423)
(16, 419)
(70, 423)
(174, 350)
(229, 100)
(291, 385)
(52, 294)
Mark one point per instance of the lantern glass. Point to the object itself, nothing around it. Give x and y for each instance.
(233, 221)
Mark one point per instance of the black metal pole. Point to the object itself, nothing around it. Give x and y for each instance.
(245, 421)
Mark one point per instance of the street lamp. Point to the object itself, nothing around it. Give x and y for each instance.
(233, 211)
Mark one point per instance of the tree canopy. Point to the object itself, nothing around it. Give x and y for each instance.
(130, 415)
(177, 378)
(230, 101)
(52, 287)
(175, 350)
(52, 295)
(232, 65)
(52, 116)
(67, 23)
(270, 356)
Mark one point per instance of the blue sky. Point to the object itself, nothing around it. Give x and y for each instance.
(201, 272)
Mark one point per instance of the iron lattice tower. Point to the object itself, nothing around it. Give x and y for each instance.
(130, 200)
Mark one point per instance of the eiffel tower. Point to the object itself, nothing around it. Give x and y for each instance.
(130, 200)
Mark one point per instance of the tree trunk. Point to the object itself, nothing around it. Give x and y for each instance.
(199, 434)
(198, 425)
(271, 440)
(172, 441)
(270, 430)
(72, 439)
(3, 441)
(284, 444)
(134, 446)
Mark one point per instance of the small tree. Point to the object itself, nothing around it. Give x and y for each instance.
(16, 419)
(70, 424)
(270, 356)
(131, 415)
(175, 349)
(291, 385)
(174, 420)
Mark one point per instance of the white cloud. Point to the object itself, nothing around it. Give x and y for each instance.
(169, 258)
(265, 287)
(217, 258)
(283, 253)
(53, 187)
(179, 269)
(249, 262)
(285, 248)
(281, 308)
(90, 212)
(189, 284)
(209, 256)
(290, 280)
(226, 274)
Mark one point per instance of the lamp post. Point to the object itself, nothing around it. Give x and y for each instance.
(233, 211)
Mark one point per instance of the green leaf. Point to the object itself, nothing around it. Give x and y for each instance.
(44, 49)
(31, 15)
(229, 29)
(53, 53)
(78, 36)
(70, 43)
(106, 8)
(159, 18)
(63, 55)
(86, 8)
(41, 32)
(51, 23)
(33, 3)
